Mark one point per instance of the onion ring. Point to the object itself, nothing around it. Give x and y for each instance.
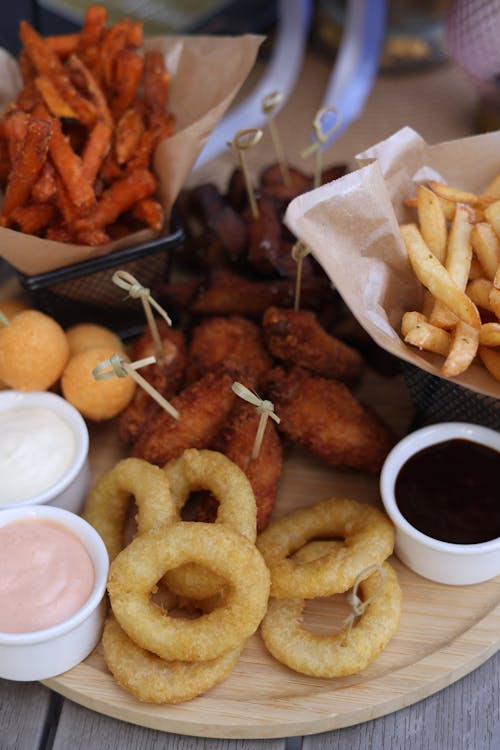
(213, 471)
(345, 652)
(107, 503)
(154, 680)
(135, 572)
(368, 539)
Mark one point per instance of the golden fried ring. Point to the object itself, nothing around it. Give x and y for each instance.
(108, 501)
(135, 572)
(213, 471)
(154, 680)
(368, 539)
(344, 653)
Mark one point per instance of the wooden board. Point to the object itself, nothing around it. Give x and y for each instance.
(445, 631)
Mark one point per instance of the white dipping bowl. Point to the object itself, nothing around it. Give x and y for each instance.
(443, 562)
(70, 490)
(46, 653)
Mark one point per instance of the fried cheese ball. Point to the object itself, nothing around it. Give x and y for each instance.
(33, 351)
(84, 336)
(97, 400)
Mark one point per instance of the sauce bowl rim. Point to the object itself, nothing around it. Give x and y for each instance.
(407, 447)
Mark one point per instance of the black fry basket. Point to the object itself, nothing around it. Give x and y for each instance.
(439, 400)
(84, 292)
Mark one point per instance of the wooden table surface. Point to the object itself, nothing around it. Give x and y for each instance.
(440, 104)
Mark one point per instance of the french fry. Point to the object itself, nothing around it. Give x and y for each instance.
(411, 320)
(463, 349)
(458, 260)
(432, 222)
(476, 270)
(434, 276)
(430, 338)
(486, 246)
(496, 280)
(493, 189)
(489, 334)
(479, 292)
(455, 195)
(491, 360)
(27, 166)
(492, 215)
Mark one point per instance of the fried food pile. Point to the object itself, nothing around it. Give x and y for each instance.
(186, 596)
(76, 146)
(454, 251)
(240, 324)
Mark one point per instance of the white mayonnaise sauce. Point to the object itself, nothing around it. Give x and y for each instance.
(37, 448)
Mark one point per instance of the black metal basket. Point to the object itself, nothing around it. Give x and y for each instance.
(439, 400)
(84, 292)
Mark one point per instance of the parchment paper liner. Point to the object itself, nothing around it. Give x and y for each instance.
(351, 226)
(207, 73)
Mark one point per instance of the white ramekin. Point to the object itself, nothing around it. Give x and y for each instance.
(70, 491)
(443, 562)
(46, 653)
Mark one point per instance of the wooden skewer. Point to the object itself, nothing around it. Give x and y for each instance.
(118, 366)
(243, 140)
(263, 407)
(321, 138)
(269, 104)
(126, 281)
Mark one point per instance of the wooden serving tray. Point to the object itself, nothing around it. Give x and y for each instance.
(445, 631)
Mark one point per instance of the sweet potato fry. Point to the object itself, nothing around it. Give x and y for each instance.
(34, 217)
(93, 237)
(5, 163)
(15, 125)
(119, 197)
(128, 134)
(44, 188)
(96, 149)
(27, 166)
(63, 45)
(94, 25)
(115, 40)
(47, 63)
(95, 92)
(128, 73)
(156, 82)
(149, 212)
(54, 102)
(69, 166)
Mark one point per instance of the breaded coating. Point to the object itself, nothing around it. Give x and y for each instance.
(165, 376)
(203, 406)
(296, 336)
(236, 442)
(231, 340)
(325, 418)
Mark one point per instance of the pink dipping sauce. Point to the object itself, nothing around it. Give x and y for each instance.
(46, 575)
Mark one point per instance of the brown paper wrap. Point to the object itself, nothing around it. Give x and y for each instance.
(207, 73)
(351, 226)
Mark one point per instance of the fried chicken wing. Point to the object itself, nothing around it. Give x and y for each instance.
(227, 340)
(165, 376)
(203, 406)
(228, 293)
(236, 441)
(296, 336)
(325, 418)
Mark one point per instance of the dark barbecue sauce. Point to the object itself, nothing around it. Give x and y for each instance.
(451, 492)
